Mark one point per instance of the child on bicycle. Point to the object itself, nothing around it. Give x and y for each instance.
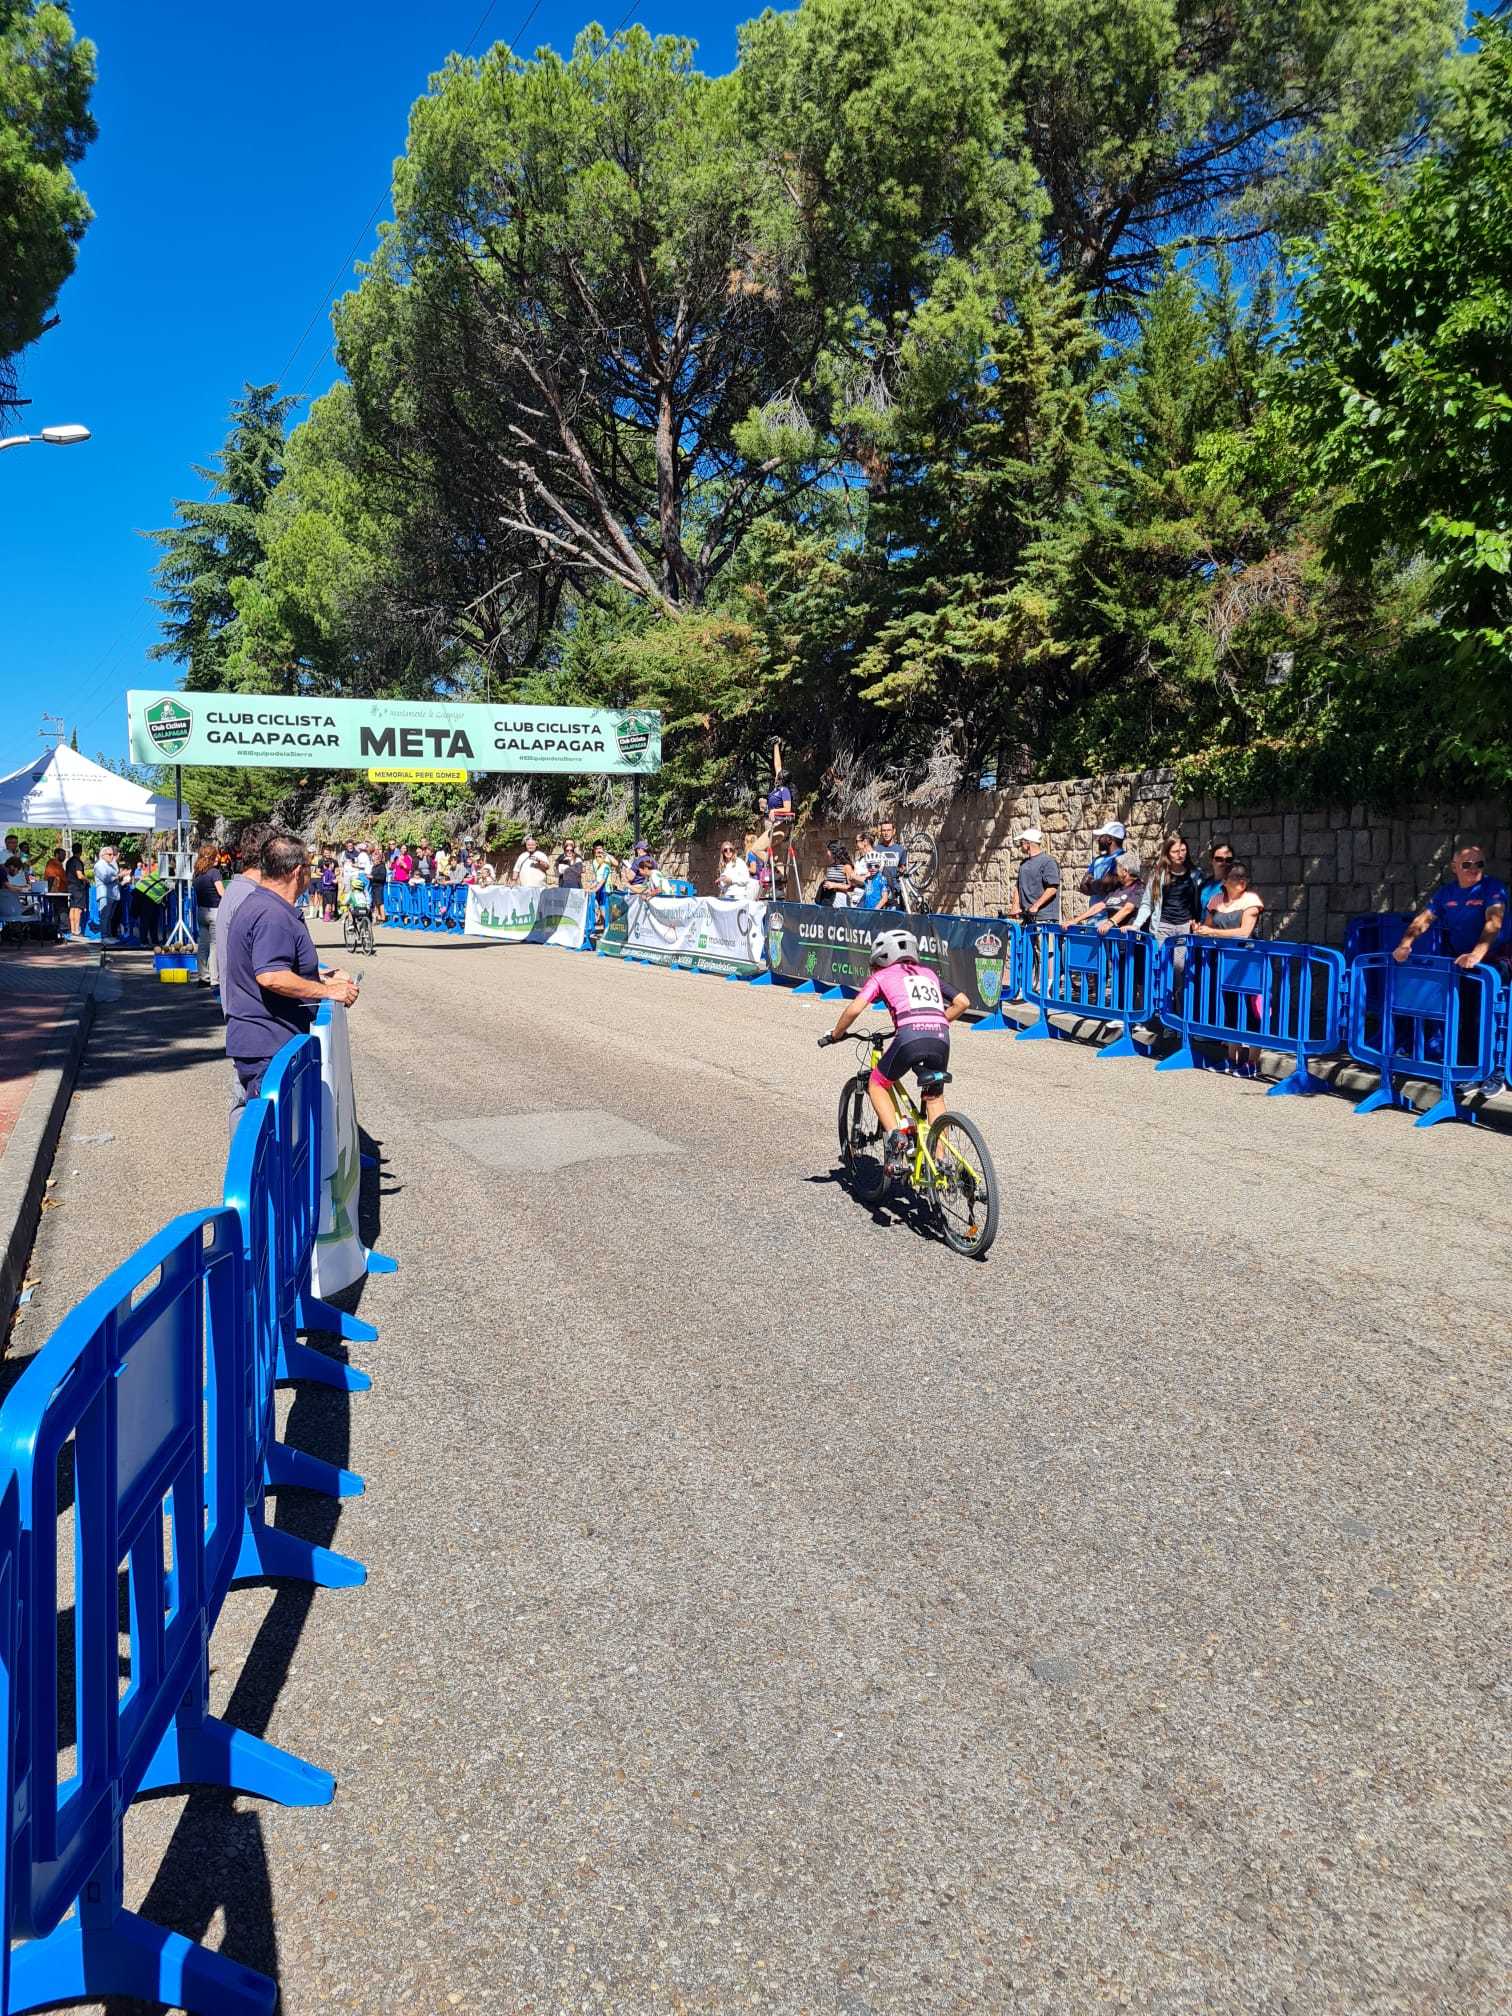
(915, 999)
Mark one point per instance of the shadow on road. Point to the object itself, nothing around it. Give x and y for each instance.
(216, 1864)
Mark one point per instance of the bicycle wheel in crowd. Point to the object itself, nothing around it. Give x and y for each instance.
(366, 929)
(965, 1192)
(861, 1147)
(349, 930)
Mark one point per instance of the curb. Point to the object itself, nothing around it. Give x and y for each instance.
(27, 1161)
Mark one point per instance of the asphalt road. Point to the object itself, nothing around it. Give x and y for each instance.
(771, 1610)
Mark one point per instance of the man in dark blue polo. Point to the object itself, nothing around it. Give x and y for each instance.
(1471, 912)
(271, 983)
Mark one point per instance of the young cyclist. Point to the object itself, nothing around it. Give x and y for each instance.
(921, 1033)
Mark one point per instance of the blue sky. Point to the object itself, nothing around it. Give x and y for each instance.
(240, 153)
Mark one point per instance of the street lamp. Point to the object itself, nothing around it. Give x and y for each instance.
(60, 437)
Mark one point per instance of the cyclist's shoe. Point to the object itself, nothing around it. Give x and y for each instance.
(896, 1152)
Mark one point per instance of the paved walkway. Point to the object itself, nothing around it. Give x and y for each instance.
(38, 983)
(769, 1610)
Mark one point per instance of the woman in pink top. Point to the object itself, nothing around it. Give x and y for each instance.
(915, 999)
(404, 865)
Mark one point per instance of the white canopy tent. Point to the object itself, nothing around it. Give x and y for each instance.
(63, 788)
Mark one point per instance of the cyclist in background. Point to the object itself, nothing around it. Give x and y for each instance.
(913, 996)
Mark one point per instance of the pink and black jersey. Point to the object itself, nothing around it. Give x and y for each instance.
(913, 996)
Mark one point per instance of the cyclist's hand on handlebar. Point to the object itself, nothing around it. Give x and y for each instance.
(825, 1041)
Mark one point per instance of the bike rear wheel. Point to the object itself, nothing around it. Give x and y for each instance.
(365, 936)
(349, 931)
(861, 1144)
(963, 1193)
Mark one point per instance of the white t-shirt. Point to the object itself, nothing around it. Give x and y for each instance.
(364, 859)
(530, 870)
(734, 879)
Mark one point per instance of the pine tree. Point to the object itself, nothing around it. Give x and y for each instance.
(220, 540)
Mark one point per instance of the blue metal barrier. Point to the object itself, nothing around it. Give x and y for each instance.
(1112, 976)
(255, 1189)
(291, 1085)
(1259, 997)
(1430, 1019)
(119, 1387)
(10, 1612)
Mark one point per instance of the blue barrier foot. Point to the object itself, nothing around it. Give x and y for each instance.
(1184, 1059)
(310, 1313)
(298, 1361)
(1036, 1032)
(1446, 1108)
(211, 1752)
(1301, 1081)
(1122, 1046)
(287, 1469)
(270, 1554)
(806, 987)
(129, 1955)
(988, 1024)
(1384, 1095)
(833, 994)
(761, 980)
(380, 1263)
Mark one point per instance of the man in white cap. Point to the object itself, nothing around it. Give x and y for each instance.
(1038, 880)
(1103, 867)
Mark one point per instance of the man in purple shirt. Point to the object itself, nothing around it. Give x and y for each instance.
(271, 983)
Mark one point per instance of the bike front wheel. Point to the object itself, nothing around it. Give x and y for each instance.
(861, 1144)
(963, 1190)
(349, 931)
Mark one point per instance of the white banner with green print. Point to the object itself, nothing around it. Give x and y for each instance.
(528, 916)
(340, 1257)
(698, 932)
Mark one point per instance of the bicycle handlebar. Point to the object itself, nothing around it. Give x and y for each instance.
(875, 1037)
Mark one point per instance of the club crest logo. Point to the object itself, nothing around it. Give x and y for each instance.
(169, 725)
(633, 734)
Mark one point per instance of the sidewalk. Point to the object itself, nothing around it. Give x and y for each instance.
(46, 1004)
(143, 1136)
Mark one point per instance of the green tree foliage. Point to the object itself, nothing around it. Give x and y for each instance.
(219, 542)
(919, 395)
(210, 557)
(1158, 123)
(1400, 391)
(46, 77)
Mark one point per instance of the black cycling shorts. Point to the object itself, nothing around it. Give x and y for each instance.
(926, 1055)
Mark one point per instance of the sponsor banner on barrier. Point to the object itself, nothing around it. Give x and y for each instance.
(528, 916)
(810, 941)
(698, 932)
(339, 1258)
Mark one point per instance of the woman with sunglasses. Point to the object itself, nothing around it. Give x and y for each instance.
(1221, 859)
(734, 883)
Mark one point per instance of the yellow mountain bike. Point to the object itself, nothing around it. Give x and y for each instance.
(949, 1168)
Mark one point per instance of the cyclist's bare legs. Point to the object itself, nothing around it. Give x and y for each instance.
(879, 1091)
(934, 1105)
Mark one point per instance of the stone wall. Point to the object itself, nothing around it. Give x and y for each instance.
(1315, 867)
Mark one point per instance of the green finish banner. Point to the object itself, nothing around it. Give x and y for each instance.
(274, 731)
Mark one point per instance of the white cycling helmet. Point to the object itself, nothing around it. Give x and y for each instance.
(892, 946)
